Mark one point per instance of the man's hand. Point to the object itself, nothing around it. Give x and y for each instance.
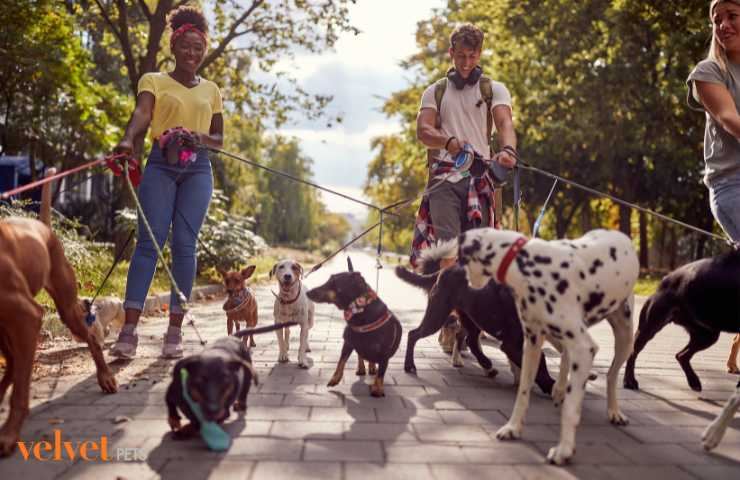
(455, 146)
(505, 159)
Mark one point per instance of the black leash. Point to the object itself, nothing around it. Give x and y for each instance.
(294, 178)
(625, 203)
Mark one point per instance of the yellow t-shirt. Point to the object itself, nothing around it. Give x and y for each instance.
(176, 105)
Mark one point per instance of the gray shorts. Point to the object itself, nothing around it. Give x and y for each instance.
(448, 206)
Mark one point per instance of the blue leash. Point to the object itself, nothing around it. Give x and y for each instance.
(536, 226)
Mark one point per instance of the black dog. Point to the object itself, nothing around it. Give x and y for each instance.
(371, 329)
(218, 378)
(704, 298)
(491, 309)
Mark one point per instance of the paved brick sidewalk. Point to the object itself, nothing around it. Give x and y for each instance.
(439, 424)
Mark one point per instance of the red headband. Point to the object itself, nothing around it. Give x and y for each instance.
(186, 27)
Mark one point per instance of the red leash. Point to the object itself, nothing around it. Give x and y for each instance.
(110, 160)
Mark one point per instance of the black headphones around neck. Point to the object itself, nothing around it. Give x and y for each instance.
(460, 82)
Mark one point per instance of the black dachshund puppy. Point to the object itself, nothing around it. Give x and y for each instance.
(372, 329)
(704, 298)
(490, 309)
(217, 378)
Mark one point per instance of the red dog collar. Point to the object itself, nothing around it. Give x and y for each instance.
(373, 326)
(509, 257)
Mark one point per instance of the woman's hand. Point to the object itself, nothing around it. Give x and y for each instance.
(126, 145)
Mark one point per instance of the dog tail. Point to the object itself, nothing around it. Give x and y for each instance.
(269, 328)
(45, 210)
(431, 258)
(422, 281)
(658, 310)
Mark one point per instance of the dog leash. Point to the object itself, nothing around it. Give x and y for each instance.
(289, 176)
(527, 166)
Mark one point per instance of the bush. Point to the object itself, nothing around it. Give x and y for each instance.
(226, 240)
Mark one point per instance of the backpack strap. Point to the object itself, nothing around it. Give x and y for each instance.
(486, 92)
(439, 90)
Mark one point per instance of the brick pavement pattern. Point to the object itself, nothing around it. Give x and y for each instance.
(440, 424)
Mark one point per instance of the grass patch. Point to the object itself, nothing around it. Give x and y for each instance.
(647, 284)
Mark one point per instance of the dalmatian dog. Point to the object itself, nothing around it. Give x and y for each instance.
(292, 305)
(561, 288)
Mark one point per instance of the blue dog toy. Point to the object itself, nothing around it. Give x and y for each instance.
(214, 436)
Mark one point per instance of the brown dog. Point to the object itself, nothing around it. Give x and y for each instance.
(32, 258)
(241, 304)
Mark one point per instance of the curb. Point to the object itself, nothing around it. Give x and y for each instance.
(154, 303)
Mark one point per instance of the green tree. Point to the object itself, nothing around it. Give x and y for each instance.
(288, 213)
(599, 98)
(51, 106)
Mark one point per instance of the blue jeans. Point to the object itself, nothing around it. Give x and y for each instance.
(724, 200)
(170, 196)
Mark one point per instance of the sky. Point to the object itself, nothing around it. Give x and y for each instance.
(360, 73)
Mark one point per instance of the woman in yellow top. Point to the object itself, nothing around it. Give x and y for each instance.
(172, 193)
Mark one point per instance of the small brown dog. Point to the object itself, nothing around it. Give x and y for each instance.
(32, 258)
(241, 305)
(732, 360)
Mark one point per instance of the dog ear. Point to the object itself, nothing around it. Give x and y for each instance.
(349, 264)
(235, 365)
(248, 272)
(272, 270)
(298, 268)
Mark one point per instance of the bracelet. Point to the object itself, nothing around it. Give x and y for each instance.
(447, 143)
(511, 150)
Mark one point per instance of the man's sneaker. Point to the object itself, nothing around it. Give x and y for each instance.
(125, 346)
(172, 347)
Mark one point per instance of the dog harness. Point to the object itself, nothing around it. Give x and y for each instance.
(358, 306)
(238, 301)
(509, 257)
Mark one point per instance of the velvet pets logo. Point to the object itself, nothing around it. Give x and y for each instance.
(61, 450)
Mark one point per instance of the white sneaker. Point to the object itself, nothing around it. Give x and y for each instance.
(172, 346)
(125, 346)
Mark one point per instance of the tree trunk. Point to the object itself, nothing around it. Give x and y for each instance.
(625, 215)
(644, 246)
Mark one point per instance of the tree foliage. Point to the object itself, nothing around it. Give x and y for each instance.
(599, 94)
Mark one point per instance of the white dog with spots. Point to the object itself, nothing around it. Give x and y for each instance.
(292, 305)
(561, 288)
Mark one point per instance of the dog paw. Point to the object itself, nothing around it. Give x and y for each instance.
(376, 392)
(107, 382)
(174, 423)
(410, 369)
(308, 350)
(631, 383)
(283, 359)
(458, 362)
(733, 369)
(240, 407)
(372, 368)
(360, 372)
(558, 395)
(491, 372)
(303, 365)
(560, 455)
(508, 432)
(334, 380)
(617, 418)
(712, 436)
(7, 443)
